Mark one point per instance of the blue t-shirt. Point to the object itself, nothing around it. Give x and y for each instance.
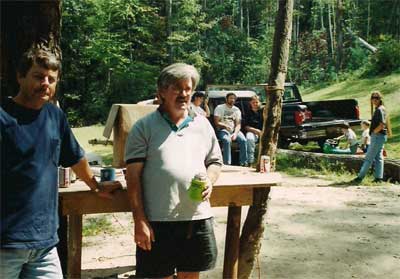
(33, 144)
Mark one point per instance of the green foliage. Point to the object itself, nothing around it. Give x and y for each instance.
(357, 58)
(312, 59)
(295, 165)
(109, 48)
(386, 60)
(113, 50)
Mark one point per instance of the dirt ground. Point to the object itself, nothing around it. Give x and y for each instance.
(314, 230)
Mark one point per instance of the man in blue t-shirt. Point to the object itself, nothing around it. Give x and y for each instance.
(35, 140)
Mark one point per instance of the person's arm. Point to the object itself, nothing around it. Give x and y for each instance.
(252, 130)
(213, 172)
(144, 234)
(219, 124)
(379, 128)
(237, 129)
(103, 189)
(206, 108)
(339, 137)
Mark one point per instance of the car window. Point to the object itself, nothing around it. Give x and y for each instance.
(289, 95)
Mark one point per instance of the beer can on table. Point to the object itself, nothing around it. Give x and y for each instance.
(64, 179)
(265, 164)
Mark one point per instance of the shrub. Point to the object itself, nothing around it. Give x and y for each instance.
(386, 60)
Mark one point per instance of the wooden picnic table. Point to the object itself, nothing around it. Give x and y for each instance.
(234, 188)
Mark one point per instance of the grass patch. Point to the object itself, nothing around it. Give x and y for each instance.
(305, 167)
(360, 89)
(296, 166)
(84, 134)
(95, 225)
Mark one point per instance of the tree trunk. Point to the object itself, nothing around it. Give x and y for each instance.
(248, 18)
(339, 35)
(168, 6)
(321, 10)
(331, 39)
(253, 228)
(368, 18)
(363, 42)
(23, 24)
(240, 15)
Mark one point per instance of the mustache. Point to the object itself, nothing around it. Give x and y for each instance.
(40, 90)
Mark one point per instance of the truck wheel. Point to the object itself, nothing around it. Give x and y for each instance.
(283, 143)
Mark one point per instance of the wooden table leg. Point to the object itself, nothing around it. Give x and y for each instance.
(232, 243)
(62, 247)
(74, 261)
(70, 245)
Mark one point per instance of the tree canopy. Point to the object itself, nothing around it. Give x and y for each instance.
(113, 50)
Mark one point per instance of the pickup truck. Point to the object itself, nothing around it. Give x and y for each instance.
(301, 121)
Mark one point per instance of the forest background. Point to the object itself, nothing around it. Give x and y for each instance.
(113, 50)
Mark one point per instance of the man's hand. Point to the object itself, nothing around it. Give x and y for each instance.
(144, 234)
(206, 194)
(107, 188)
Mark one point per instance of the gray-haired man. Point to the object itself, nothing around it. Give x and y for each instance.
(164, 151)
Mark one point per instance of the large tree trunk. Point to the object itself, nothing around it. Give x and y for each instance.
(253, 228)
(23, 24)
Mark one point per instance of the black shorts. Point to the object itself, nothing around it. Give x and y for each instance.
(184, 246)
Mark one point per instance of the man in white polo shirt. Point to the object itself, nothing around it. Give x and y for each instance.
(164, 151)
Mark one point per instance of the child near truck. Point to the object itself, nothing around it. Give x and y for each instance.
(351, 139)
(365, 137)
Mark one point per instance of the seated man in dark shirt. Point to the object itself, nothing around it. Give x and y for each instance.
(253, 124)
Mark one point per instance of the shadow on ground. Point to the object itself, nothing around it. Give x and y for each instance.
(107, 273)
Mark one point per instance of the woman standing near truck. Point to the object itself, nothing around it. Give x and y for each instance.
(379, 130)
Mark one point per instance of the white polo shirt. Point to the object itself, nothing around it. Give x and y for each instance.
(171, 159)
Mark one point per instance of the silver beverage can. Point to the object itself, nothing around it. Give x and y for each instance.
(64, 178)
(265, 164)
